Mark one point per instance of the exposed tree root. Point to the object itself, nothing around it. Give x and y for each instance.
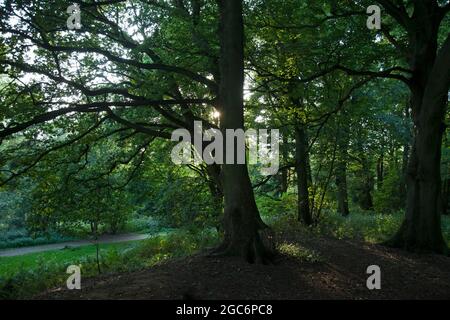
(407, 240)
(258, 249)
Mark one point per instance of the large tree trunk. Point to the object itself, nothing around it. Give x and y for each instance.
(430, 82)
(245, 233)
(446, 197)
(301, 157)
(421, 229)
(406, 151)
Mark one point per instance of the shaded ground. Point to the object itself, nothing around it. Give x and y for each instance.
(341, 274)
(72, 244)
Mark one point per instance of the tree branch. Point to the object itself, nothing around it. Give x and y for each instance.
(48, 151)
(397, 12)
(137, 127)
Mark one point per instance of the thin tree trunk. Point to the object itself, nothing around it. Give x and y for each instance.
(301, 155)
(284, 171)
(380, 172)
(341, 183)
(310, 185)
(284, 181)
(341, 172)
(342, 197)
(327, 182)
(366, 201)
(245, 233)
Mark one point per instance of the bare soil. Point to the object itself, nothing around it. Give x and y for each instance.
(340, 274)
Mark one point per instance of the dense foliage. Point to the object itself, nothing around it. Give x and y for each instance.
(86, 118)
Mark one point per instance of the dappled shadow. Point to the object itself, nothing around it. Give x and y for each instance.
(336, 271)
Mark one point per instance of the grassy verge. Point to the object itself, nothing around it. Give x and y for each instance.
(21, 238)
(9, 266)
(24, 276)
(17, 238)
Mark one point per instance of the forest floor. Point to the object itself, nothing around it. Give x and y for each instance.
(309, 267)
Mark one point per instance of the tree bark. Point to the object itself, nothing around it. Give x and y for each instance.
(301, 155)
(429, 84)
(406, 151)
(284, 171)
(446, 197)
(342, 194)
(341, 181)
(365, 199)
(284, 181)
(380, 172)
(245, 234)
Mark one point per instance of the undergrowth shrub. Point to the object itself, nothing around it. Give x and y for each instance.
(371, 227)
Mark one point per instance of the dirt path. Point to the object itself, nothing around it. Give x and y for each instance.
(72, 244)
(340, 274)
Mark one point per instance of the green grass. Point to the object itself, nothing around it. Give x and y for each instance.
(16, 238)
(371, 227)
(299, 252)
(12, 265)
(21, 238)
(24, 276)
